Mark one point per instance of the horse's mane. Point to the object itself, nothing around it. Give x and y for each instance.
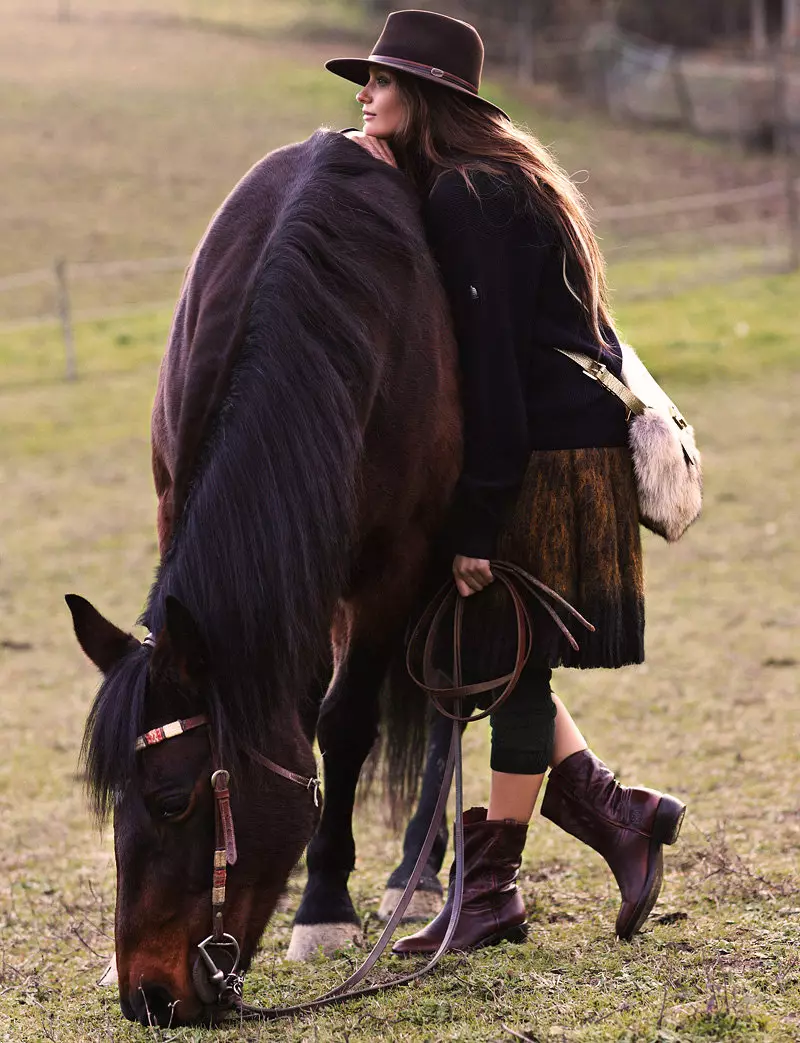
(261, 551)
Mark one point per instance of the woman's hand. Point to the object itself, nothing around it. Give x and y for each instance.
(471, 574)
(376, 147)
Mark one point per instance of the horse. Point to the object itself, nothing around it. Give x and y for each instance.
(306, 441)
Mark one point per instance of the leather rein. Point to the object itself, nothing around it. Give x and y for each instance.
(421, 646)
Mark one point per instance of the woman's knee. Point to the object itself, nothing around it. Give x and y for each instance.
(523, 728)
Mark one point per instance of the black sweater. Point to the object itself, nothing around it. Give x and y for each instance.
(503, 270)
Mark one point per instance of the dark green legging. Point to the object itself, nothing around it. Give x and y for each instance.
(523, 728)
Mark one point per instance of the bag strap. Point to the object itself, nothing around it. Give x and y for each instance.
(603, 375)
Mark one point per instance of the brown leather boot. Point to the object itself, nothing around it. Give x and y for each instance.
(626, 825)
(492, 910)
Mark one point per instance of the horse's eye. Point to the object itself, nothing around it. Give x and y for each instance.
(172, 807)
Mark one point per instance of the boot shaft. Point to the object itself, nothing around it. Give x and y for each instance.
(492, 853)
(492, 907)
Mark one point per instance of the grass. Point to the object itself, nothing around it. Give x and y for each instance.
(707, 717)
(734, 331)
(118, 143)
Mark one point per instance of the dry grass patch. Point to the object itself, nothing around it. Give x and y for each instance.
(709, 717)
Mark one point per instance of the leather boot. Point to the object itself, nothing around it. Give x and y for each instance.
(492, 910)
(628, 826)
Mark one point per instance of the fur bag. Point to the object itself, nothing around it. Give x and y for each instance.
(666, 461)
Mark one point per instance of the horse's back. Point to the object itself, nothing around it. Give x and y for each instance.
(209, 322)
(357, 225)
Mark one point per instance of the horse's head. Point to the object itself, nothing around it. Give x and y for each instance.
(164, 812)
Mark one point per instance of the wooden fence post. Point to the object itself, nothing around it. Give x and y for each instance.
(784, 137)
(65, 314)
(791, 24)
(682, 92)
(758, 27)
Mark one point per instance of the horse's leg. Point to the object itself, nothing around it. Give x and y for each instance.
(427, 900)
(347, 728)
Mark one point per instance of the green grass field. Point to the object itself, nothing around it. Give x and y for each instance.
(711, 716)
(122, 137)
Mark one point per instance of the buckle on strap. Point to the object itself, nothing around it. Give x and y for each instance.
(595, 370)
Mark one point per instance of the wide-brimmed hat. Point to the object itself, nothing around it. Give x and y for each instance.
(431, 46)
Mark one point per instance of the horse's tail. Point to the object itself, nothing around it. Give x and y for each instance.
(399, 755)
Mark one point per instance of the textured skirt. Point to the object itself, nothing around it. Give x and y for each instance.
(575, 527)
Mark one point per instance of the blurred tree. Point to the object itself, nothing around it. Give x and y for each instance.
(702, 23)
(699, 24)
(791, 24)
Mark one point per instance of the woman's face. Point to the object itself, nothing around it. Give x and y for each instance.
(382, 103)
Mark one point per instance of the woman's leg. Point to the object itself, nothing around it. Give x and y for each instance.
(514, 796)
(522, 746)
(568, 739)
(523, 740)
(628, 826)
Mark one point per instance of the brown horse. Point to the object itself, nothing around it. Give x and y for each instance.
(307, 439)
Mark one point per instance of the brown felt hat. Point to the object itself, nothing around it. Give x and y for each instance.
(431, 46)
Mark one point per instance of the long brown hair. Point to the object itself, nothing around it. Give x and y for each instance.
(444, 130)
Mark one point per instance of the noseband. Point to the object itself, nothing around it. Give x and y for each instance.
(225, 853)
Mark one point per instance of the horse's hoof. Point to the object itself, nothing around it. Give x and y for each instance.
(424, 905)
(308, 939)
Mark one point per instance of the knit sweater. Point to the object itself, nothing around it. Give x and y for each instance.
(504, 272)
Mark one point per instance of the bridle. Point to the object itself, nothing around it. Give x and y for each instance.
(421, 645)
(225, 852)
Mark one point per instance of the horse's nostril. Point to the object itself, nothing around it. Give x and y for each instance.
(153, 1005)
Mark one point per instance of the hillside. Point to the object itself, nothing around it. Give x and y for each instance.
(125, 127)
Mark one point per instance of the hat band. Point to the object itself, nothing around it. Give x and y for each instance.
(439, 74)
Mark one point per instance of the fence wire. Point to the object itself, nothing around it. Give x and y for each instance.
(653, 249)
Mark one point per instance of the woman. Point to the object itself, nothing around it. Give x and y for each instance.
(547, 479)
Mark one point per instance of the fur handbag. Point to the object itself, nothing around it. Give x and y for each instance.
(666, 462)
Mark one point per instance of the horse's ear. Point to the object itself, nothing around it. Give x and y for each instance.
(184, 643)
(102, 642)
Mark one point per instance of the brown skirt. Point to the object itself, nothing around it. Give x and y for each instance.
(575, 527)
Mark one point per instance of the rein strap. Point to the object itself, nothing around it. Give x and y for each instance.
(517, 582)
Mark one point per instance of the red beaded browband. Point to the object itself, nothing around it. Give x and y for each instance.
(175, 728)
(170, 731)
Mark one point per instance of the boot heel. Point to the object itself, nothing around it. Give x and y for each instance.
(517, 933)
(669, 819)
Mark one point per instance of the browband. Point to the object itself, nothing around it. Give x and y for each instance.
(170, 731)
